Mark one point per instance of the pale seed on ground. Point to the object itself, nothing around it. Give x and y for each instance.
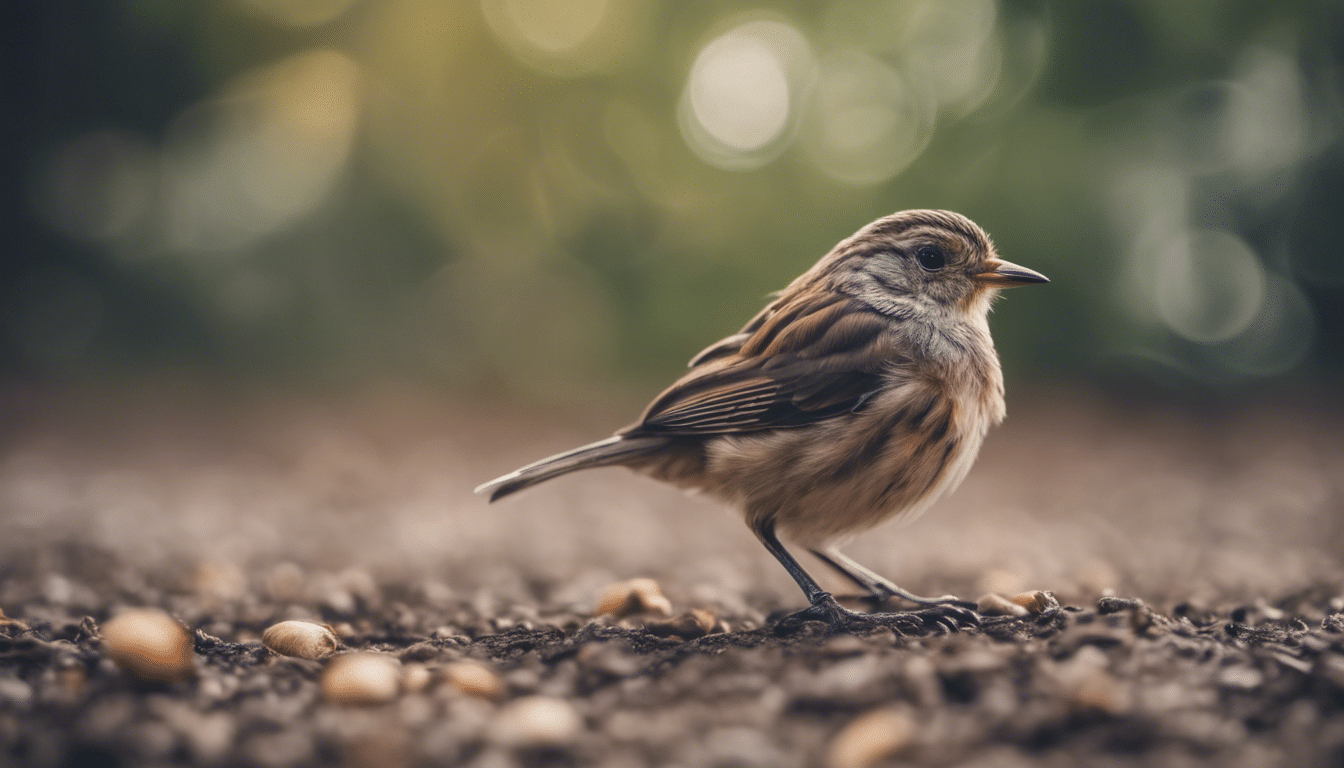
(689, 625)
(303, 639)
(994, 604)
(150, 644)
(416, 677)
(1036, 601)
(871, 738)
(362, 677)
(535, 721)
(473, 679)
(634, 596)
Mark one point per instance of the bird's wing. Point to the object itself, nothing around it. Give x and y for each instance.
(812, 357)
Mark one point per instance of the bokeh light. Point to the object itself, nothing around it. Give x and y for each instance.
(866, 123)
(264, 153)
(1209, 285)
(741, 94)
(567, 37)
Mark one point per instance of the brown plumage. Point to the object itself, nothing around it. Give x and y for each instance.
(861, 393)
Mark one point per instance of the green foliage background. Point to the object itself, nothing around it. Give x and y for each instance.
(461, 192)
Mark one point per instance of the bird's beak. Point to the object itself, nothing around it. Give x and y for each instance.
(1005, 274)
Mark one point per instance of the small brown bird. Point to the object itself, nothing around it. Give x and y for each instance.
(861, 393)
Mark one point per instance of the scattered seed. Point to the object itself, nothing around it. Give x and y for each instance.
(300, 638)
(634, 596)
(994, 604)
(473, 679)
(1035, 602)
(689, 625)
(149, 644)
(535, 721)
(416, 678)
(871, 738)
(362, 677)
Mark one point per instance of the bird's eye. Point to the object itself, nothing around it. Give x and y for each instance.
(930, 258)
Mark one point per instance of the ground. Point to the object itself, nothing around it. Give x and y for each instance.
(1195, 553)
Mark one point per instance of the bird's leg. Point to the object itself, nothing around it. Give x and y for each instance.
(823, 606)
(878, 586)
(959, 612)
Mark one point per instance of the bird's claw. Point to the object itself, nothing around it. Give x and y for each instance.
(949, 617)
(952, 616)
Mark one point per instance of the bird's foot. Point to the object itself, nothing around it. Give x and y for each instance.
(953, 616)
(879, 599)
(948, 617)
(825, 609)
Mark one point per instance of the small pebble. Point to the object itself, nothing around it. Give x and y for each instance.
(1035, 602)
(150, 644)
(535, 721)
(362, 677)
(473, 679)
(871, 738)
(688, 626)
(1241, 678)
(994, 604)
(634, 596)
(416, 678)
(300, 638)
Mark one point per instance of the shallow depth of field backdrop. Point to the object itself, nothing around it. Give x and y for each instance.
(417, 243)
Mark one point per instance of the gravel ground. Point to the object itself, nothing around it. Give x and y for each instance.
(1192, 557)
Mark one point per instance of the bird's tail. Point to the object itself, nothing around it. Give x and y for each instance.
(613, 450)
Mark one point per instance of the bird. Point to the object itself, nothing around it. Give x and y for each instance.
(860, 394)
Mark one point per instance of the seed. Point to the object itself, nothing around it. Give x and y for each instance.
(362, 677)
(536, 721)
(994, 604)
(634, 596)
(150, 644)
(416, 678)
(473, 679)
(300, 638)
(871, 738)
(1036, 602)
(689, 625)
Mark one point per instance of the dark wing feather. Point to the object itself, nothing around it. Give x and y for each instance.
(806, 359)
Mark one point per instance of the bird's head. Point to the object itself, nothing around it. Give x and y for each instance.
(922, 261)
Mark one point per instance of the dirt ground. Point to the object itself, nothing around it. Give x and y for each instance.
(1196, 553)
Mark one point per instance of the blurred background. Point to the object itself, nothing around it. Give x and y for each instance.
(547, 198)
